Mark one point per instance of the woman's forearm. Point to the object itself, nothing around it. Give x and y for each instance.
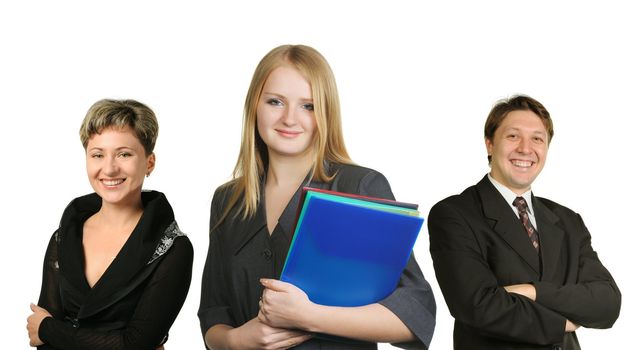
(218, 337)
(373, 323)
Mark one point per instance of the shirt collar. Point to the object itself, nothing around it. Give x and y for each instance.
(510, 196)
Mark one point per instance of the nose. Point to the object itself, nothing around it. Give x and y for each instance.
(524, 145)
(289, 116)
(111, 167)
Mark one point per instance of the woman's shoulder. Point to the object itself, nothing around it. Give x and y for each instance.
(183, 246)
(223, 193)
(89, 203)
(351, 170)
(77, 210)
(175, 241)
(354, 178)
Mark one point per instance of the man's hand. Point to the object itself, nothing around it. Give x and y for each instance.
(526, 289)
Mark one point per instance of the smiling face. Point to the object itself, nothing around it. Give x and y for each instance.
(285, 114)
(519, 149)
(116, 164)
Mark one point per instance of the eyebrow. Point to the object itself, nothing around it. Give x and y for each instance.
(116, 149)
(273, 94)
(310, 99)
(512, 128)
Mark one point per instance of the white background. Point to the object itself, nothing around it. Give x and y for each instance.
(416, 81)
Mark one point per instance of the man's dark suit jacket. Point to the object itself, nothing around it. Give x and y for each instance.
(479, 245)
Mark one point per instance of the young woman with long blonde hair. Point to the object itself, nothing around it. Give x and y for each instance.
(292, 137)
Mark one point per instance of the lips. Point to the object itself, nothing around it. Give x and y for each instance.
(288, 133)
(112, 183)
(522, 163)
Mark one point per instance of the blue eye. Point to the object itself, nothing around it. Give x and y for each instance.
(308, 106)
(274, 102)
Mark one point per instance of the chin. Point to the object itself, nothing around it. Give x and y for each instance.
(115, 198)
(522, 185)
(291, 152)
(112, 199)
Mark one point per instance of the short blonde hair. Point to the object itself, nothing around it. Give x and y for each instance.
(121, 113)
(328, 143)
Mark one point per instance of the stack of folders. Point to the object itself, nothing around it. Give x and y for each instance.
(350, 250)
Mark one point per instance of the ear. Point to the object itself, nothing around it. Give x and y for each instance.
(150, 163)
(489, 146)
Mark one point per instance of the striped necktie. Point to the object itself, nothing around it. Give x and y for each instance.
(522, 208)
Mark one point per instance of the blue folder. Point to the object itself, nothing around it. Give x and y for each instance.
(348, 251)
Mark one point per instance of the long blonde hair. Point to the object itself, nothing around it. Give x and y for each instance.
(328, 141)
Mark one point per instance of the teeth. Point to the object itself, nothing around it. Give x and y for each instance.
(522, 163)
(112, 182)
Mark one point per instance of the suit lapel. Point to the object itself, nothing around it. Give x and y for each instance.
(71, 249)
(550, 237)
(129, 261)
(287, 220)
(247, 228)
(126, 272)
(506, 224)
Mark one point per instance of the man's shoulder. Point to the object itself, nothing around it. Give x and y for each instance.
(556, 208)
(466, 201)
(470, 192)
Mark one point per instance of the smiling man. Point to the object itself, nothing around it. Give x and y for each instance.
(517, 271)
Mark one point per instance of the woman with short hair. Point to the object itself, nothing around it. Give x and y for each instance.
(118, 269)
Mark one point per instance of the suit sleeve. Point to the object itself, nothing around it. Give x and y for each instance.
(214, 307)
(412, 301)
(594, 300)
(157, 309)
(471, 290)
